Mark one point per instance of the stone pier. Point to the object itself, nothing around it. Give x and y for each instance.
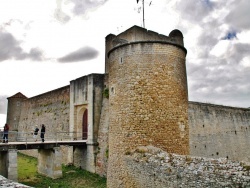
(8, 164)
(50, 162)
(84, 157)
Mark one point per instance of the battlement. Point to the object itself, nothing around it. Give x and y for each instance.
(139, 34)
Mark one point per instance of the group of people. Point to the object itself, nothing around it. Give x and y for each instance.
(35, 133)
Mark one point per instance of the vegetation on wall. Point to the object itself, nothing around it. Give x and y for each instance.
(106, 93)
(107, 153)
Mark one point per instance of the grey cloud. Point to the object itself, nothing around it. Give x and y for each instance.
(239, 16)
(219, 81)
(10, 49)
(194, 10)
(35, 54)
(237, 52)
(3, 104)
(222, 80)
(81, 7)
(82, 54)
(206, 42)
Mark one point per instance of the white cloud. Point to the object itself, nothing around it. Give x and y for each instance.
(47, 30)
(220, 48)
(2, 120)
(239, 15)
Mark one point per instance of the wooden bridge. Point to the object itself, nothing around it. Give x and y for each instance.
(49, 152)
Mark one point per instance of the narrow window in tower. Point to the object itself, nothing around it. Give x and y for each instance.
(112, 90)
(121, 60)
(18, 103)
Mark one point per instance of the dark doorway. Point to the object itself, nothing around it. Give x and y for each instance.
(85, 125)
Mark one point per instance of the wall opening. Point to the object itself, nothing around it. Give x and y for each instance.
(112, 90)
(85, 125)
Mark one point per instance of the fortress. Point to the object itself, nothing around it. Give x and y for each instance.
(142, 99)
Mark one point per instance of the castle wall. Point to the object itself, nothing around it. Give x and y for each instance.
(86, 97)
(103, 151)
(147, 102)
(14, 110)
(78, 104)
(86, 94)
(97, 101)
(219, 131)
(50, 109)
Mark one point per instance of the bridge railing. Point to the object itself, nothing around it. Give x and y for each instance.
(15, 136)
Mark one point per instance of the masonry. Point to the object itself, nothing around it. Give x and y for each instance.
(219, 131)
(152, 167)
(145, 69)
(140, 100)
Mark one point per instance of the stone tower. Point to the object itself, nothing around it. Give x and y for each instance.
(148, 96)
(14, 109)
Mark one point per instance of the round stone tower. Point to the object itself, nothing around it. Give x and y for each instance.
(148, 97)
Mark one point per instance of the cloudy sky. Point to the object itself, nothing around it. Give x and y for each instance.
(44, 44)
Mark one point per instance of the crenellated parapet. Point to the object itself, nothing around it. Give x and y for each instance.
(137, 34)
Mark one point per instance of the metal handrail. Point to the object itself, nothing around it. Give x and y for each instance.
(15, 136)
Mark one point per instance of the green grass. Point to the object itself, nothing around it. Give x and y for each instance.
(72, 176)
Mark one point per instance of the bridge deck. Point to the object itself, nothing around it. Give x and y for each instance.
(39, 145)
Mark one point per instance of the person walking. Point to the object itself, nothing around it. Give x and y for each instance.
(35, 133)
(42, 132)
(5, 133)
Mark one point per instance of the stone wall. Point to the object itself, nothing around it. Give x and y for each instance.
(151, 167)
(14, 110)
(50, 109)
(86, 95)
(219, 131)
(147, 101)
(103, 151)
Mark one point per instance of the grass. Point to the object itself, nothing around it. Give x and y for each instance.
(72, 176)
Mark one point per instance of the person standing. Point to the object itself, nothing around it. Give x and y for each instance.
(35, 133)
(5, 133)
(42, 132)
